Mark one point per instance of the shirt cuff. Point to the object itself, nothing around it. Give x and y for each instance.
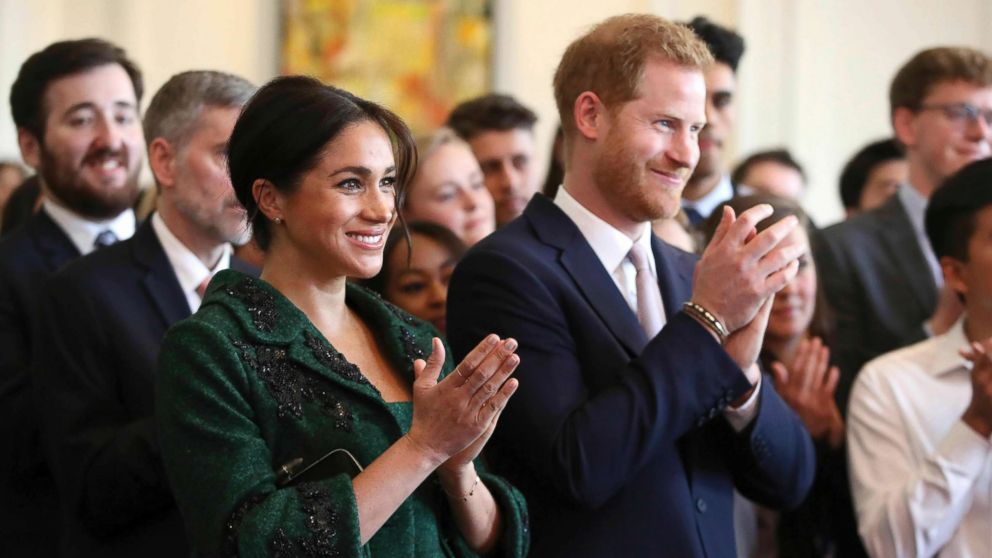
(742, 416)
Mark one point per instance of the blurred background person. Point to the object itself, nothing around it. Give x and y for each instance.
(872, 176)
(880, 275)
(920, 417)
(500, 132)
(415, 276)
(76, 107)
(448, 188)
(774, 171)
(710, 183)
(795, 354)
(104, 316)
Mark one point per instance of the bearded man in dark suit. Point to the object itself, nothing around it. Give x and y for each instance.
(636, 415)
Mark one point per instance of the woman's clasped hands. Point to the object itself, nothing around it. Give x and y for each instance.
(454, 418)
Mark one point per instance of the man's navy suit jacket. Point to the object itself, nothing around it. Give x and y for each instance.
(28, 257)
(618, 442)
(105, 316)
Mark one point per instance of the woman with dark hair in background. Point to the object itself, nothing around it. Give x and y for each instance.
(795, 354)
(296, 412)
(417, 279)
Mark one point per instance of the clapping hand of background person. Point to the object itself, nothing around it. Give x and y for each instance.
(978, 415)
(807, 384)
(454, 418)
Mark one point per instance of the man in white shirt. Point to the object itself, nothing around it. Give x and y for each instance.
(920, 418)
(75, 105)
(106, 314)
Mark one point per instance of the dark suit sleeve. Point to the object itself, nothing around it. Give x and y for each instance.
(587, 445)
(107, 463)
(849, 345)
(756, 462)
(18, 419)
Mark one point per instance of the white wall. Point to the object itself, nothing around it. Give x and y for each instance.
(814, 77)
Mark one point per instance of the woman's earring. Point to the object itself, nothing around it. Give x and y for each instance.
(277, 220)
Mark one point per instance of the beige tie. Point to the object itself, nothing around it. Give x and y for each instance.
(650, 311)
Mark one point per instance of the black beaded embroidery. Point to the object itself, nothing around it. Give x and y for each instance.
(260, 304)
(320, 521)
(233, 524)
(413, 352)
(290, 386)
(329, 357)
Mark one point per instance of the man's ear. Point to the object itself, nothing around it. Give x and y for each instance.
(162, 161)
(954, 274)
(589, 113)
(30, 148)
(904, 126)
(268, 199)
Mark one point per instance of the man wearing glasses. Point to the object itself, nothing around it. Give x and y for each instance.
(879, 272)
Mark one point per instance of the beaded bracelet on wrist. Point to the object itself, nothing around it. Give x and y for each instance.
(707, 319)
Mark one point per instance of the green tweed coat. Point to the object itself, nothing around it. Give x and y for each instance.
(248, 384)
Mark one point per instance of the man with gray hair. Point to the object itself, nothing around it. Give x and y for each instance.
(105, 315)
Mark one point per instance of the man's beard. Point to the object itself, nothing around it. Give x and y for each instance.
(92, 202)
(625, 178)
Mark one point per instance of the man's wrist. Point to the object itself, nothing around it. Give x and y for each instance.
(707, 319)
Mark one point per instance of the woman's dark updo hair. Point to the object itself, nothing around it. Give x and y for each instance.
(283, 130)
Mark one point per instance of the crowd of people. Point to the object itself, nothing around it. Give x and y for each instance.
(320, 335)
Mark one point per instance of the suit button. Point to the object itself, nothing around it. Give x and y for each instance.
(701, 505)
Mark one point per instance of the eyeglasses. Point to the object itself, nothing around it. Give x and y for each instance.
(961, 113)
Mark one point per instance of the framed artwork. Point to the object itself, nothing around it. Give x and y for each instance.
(417, 57)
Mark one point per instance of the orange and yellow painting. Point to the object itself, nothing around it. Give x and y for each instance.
(417, 57)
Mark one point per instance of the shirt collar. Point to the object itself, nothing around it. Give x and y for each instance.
(609, 244)
(915, 205)
(723, 191)
(82, 232)
(189, 270)
(946, 358)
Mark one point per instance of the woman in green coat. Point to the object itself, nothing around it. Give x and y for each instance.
(300, 415)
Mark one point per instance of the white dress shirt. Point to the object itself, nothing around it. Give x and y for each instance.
(611, 248)
(921, 478)
(189, 270)
(83, 232)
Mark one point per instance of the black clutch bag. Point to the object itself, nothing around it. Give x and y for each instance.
(331, 463)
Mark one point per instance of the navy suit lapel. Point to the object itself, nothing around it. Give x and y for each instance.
(897, 232)
(580, 262)
(674, 280)
(158, 277)
(54, 246)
